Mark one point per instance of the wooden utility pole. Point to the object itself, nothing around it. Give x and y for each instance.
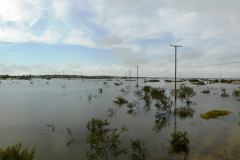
(175, 68)
(137, 75)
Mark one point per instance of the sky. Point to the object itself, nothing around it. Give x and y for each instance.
(109, 37)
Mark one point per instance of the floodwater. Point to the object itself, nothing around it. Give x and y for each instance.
(54, 117)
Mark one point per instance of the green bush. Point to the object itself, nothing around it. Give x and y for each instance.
(103, 140)
(147, 89)
(158, 93)
(120, 100)
(215, 114)
(185, 93)
(224, 94)
(13, 153)
(236, 92)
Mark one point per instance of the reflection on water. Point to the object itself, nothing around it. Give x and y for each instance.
(70, 139)
(27, 119)
(184, 112)
(162, 120)
(179, 145)
(51, 126)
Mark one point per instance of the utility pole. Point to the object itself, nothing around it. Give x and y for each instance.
(137, 76)
(175, 68)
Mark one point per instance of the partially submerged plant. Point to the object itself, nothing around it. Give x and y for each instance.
(133, 108)
(147, 89)
(185, 93)
(147, 99)
(215, 114)
(118, 84)
(152, 80)
(131, 104)
(158, 93)
(207, 90)
(103, 140)
(120, 100)
(199, 83)
(13, 153)
(236, 92)
(164, 104)
(224, 94)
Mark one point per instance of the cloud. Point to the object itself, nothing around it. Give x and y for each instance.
(129, 58)
(15, 54)
(229, 56)
(112, 40)
(78, 37)
(191, 55)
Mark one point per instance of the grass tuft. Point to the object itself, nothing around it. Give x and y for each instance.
(215, 114)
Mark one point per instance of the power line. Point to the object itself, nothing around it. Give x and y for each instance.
(210, 31)
(211, 65)
(208, 24)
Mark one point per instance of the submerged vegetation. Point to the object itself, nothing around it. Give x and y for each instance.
(103, 140)
(207, 90)
(236, 92)
(224, 94)
(215, 114)
(185, 93)
(106, 142)
(120, 100)
(14, 153)
(152, 80)
(199, 83)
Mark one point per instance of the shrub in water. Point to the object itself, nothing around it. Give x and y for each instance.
(120, 100)
(13, 153)
(215, 114)
(185, 93)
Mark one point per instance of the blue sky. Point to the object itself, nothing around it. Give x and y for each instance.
(108, 37)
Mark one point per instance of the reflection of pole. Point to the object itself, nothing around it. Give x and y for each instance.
(175, 68)
(137, 75)
(175, 117)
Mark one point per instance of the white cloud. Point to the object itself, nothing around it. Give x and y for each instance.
(49, 37)
(135, 29)
(79, 37)
(15, 54)
(61, 8)
(112, 40)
